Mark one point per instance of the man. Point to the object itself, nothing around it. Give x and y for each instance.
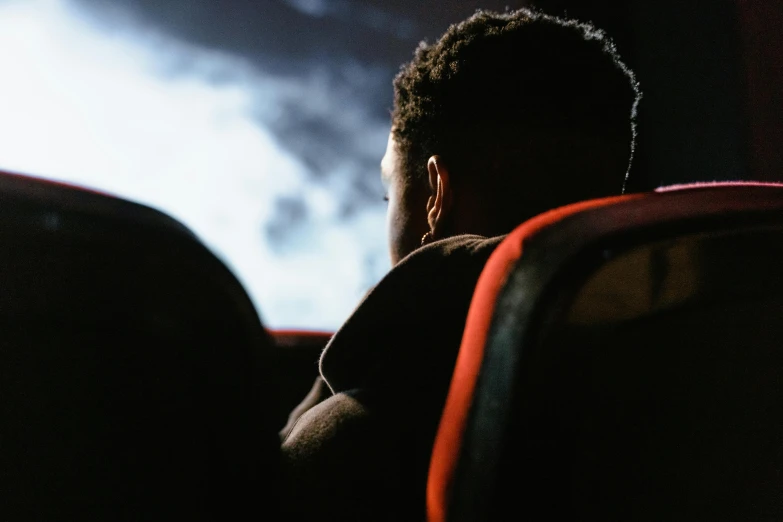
(504, 117)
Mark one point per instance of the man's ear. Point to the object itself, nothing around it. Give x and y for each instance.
(440, 200)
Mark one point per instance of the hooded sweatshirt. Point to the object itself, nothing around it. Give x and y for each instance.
(362, 453)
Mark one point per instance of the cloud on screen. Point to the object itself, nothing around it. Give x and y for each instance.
(352, 11)
(276, 173)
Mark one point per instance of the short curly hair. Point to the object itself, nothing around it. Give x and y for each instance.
(519, 91)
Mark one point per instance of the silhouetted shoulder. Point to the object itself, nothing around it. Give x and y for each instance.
(421, 301)
(389, 367)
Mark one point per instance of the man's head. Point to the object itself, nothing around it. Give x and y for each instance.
(504, 117)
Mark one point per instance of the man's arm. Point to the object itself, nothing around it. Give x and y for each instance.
(344, 464)
(317, 394)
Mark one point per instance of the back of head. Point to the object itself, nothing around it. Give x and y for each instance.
(529, 110)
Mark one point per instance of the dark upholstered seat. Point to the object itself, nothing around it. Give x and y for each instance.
(131, 367)
(623, 360)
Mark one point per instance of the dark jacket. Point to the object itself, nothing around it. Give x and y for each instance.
(363, 453)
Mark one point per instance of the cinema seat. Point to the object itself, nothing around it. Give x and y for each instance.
(623, 360)
(132, 367)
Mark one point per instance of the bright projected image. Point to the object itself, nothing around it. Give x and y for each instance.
(273, 163)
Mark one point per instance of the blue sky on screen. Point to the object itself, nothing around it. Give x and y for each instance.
(116, 105)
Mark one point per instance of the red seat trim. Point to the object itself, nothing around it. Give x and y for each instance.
(293, 337)
(711, 184)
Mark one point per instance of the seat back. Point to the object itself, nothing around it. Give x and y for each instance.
(623, 360)
(132, 367)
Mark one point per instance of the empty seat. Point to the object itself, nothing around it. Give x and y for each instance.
(623, 360)
(132, 367)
